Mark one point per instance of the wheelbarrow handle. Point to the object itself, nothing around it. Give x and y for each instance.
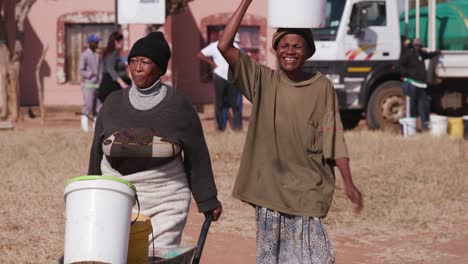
(202, 238)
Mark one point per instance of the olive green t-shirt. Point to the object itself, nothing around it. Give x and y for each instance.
(294, 136)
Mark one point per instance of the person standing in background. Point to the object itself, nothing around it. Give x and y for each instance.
(114, 75)
(414, 80)
(90, 70)
(226, 95)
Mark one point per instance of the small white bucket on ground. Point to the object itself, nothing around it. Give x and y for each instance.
(407, 126)
(439, 125)
(98, 211)
(297, 13)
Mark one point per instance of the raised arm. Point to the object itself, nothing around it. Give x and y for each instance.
(403, 63)
(84, 70)
(430, 55)
(206, 60)
(225, 45)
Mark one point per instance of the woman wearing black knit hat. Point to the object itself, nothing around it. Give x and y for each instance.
(294, 140)
(140, 135)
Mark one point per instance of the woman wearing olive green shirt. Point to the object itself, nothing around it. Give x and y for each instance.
(295, 139)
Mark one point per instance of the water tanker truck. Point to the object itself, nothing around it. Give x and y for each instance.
(361, 43)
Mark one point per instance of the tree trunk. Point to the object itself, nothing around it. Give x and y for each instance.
(13, 89)
(173, 7)
(40, 88)
(21, 12)
(4, 63)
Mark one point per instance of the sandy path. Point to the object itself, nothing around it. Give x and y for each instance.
(229, 248)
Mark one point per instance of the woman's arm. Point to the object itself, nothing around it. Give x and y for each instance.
(430, 55)
(207, 60)
(351, 191)
(197, 165)
(84, 71)
(109, 67)
(403, 63)
(225, 45)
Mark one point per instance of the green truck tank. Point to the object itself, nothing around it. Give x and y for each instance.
(451, 25)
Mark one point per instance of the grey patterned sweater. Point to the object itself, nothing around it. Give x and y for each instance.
(136, 140)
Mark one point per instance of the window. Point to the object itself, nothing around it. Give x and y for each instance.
(76, 42)
(376, 14)
(334, 12)
(249, 44)
(365, 14)
(250, 41)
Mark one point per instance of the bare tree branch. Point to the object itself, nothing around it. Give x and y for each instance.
(22, 9)
(4, 63)
(21, 12)
(173, 7)
(40, 88)
(176, 6)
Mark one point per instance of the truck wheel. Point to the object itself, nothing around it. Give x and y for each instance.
(386, 106)
(350, 118)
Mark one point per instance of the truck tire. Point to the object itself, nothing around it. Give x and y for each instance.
(386, 106)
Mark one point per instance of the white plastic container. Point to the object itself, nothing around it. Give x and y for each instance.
(98, 212)
(408, 126)
(439, 125)
(296, 13)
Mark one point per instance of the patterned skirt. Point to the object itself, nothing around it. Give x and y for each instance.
(283, 238)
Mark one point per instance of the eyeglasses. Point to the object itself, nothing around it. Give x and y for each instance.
(142, 62)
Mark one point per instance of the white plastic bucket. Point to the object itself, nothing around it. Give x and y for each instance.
(98, 211)
(439, 125)
(296, 13)
(408, 126)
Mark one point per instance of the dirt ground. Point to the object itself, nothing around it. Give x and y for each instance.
(441, 243)
(230, 248)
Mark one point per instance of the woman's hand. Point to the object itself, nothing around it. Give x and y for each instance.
(354, 196)
(216, 213)
(213, 66)
(225, 44)
(351, 190)
(122, 84)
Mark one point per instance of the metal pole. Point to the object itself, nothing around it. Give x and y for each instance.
(406, 18)
(417, 18)
(432, 25)
(116, 22)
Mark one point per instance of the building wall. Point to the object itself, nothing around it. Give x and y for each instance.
(189, 33)
(201, 9)
(44, 28)
(186, 33)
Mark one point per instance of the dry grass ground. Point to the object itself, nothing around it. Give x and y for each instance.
(411, 186)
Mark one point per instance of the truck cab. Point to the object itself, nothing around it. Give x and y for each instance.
(358, 50)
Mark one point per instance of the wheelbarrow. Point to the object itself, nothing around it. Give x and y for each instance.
(182, 255)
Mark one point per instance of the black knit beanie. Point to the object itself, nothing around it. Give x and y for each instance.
(153, 46)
